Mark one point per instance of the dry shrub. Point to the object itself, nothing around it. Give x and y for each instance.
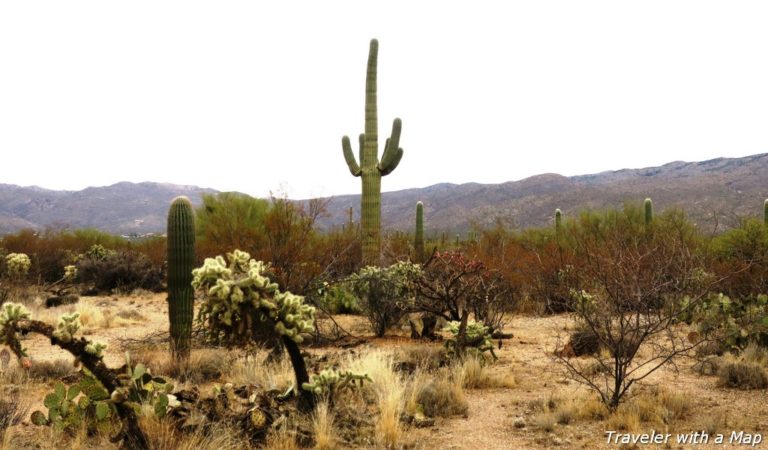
(13, 409)
(755, 354)
(472, 373)
(256, 368)
(742, 375)
(654, 406)
(203, 365)
(546, 422)
(51, 370)
(162, 435)
(584, 341)
(427, 357)
(283, 438)
(441, 398)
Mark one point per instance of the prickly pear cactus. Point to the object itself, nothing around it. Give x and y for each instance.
(370, 169)
(69, 407)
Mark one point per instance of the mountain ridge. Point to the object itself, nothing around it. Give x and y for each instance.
(714, 193)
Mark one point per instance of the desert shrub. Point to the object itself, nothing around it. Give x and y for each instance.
(454, 285)
(122, 269)
(51, 370)
(441, 398)
(742, 375)
(13, 409)
(584, 341)
(627, 289)
(385, 293)
(739, 258)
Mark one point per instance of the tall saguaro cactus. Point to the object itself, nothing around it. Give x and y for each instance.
(558, 221)
(181, 261)
(370, 169)
(418, 242)
(648, 204)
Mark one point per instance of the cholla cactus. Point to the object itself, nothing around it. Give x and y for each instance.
(70, 273)
(18, 264)
(67, 327)
(10, 315)
(477, 338)
(238, 292)
(329, 381)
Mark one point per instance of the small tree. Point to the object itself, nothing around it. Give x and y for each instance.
(628, 290)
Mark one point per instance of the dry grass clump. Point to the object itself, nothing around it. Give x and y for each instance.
(283, 438)
(435, 396)
(323, 427)
(742, 375)
(427, 357)
(472, 373)
(13, 409)
(51, 370)
(203, 366)
(755, 354)
(162, 435)
(387, 390)
(655, 406)
(254, 368)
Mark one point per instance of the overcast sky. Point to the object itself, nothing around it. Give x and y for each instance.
(255, 96)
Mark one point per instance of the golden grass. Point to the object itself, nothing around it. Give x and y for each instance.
(163, 436)
(203, 365)
(388, 389)
(473, 373)
(323, 427)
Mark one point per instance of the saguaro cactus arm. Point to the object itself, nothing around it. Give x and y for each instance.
(354, 168)
(392, 151)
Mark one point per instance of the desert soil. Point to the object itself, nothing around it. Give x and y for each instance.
(499, 418)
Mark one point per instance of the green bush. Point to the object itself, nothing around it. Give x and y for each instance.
(385, 293)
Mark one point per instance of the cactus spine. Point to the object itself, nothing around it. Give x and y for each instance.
(648, 211)
(370, 169)
(181, 261)
(418, 242)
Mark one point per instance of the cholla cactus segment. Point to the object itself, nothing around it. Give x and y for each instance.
(10, 315)
(70, 273)
(329, 381)
(18, 264)
(478, 336)
(237, 290)
(96, 348)
(68, 325)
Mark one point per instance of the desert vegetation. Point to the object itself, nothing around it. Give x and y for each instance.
(249, 327)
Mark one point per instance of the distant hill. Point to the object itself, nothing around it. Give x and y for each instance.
(122, 208)
(714, 193)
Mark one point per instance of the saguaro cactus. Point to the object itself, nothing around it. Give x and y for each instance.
(558, 221)
(418, 242)
(181, 262)
(648, 211)
(370, 169)
(765, 211)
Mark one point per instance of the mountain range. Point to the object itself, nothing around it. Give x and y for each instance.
(715, 194)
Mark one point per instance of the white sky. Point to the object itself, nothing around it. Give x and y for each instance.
(255, 96)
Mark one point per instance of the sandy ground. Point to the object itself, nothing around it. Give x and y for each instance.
(500, 418)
